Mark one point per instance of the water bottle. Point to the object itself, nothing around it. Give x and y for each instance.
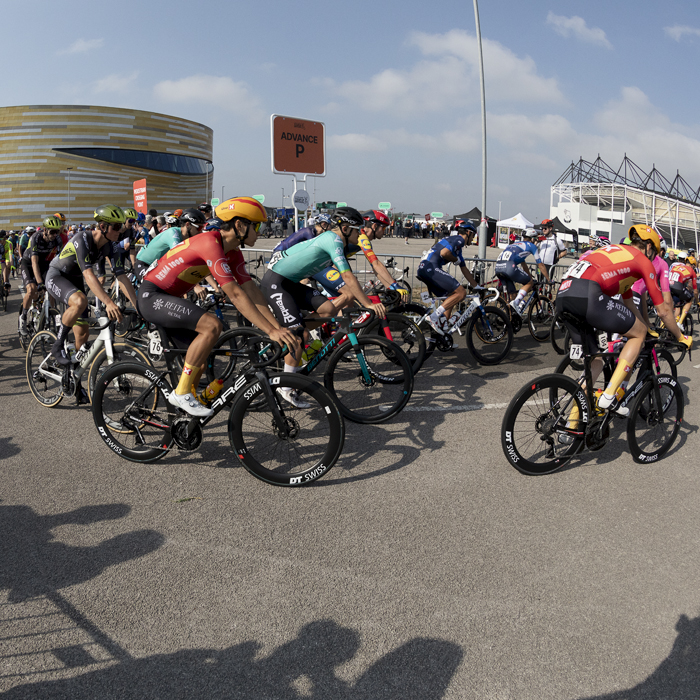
(82, 353)
(211, 392)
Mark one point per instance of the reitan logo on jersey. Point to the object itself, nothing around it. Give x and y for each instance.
(221, 268)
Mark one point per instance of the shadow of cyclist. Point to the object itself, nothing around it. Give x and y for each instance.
(34, 564)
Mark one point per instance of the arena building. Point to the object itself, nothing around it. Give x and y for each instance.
(70, 159)
(593, 197)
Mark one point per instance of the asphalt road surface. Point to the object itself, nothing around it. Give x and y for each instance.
(422, 566)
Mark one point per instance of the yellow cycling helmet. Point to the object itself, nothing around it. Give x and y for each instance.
(646, 233)
(243, 207)
(60, 217)
(131, 214)
(52, 222)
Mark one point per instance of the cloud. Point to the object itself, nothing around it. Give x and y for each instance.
(577, 27)
(115, 83)
(678, 31)
(356, 142)
(219, 91)
(82, 46)
(448, 76)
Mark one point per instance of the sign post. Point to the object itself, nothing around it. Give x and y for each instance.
(298, 147)
(140, 201)
(215, 202)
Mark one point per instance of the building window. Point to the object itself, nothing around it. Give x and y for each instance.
(146, 160)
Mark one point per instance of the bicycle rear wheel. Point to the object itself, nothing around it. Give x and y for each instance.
(489, 335)
(654, 422)
(131, 411)
(415, 312)
(405, 333)
(308, 446)
(371, 381)
(44, 374)
(557, 334)
(537, 435)
(539, 318)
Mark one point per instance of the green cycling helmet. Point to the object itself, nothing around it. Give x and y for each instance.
(53, 222)
(109, 214)
(131, 214)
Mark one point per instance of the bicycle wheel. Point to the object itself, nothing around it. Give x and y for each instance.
(123, 352)
(653, 423)
(44, 374)
(489, 335)
(557, 335)
(415, 313)
(305, 450)
(222, 366)
(370, 381)
(539, 318)
(131, 412)
(405, 333)
(688, 325)
(537, 435)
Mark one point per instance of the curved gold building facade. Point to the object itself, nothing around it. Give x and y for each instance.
(71, 159)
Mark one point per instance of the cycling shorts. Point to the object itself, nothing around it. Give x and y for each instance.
(438, 282)
(586, 300)
(331, 280)
(510, 273)
(681, 294)
(63, 288)
(177, 315)
(287, 299)
(27, 271)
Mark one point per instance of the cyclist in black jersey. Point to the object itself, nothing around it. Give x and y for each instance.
(69, 272)
(43, 247)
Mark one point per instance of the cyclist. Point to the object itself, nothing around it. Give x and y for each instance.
(510, 274)
(42, 249)
(587, 292)
(439, 282)
(639, 288)
(73, 269)
(321, 225)
(692, 260)
(28, 232)
(6, 254)
(130, 234)
(217, 253)
(375, 224)
(552, 250)
(282, 286)
(680, 276)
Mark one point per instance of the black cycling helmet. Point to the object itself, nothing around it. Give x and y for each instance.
(193, 216)
(347, 215)
(206, 208)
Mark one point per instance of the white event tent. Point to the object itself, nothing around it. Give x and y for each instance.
(504, 225)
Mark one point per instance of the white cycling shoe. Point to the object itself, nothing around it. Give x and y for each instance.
(292, 397)
(189, 404)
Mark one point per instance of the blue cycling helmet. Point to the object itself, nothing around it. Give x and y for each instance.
(141, 217)
(323, 219)
(466, 226)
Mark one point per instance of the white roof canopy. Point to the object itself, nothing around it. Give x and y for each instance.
(517, 221)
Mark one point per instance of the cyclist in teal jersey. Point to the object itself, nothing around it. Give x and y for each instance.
(281, 283)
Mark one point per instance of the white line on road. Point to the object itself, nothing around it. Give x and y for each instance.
(458, 407)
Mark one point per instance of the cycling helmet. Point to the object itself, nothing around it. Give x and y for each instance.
(241, 207)
(547, 222)
(178, 213)
(374, 216)
(347, 215)
(141, 217)
(530, 233)
(193, 216)
(206, 208)
(646, 233)
(30, 230)
(323, 219)
(131, 214)
(52, 222)
(664, 245)
(171, 219)
(682, 256)
(465, 226)
(60, 217)
(109, 214)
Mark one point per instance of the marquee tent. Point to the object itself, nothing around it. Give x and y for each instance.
(517, 221)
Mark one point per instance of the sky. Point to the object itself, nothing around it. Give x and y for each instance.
(396, 84)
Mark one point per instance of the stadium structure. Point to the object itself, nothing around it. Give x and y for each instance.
(595, 198)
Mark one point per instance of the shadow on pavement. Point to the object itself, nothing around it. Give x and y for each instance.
(303, 668)
(677, 677)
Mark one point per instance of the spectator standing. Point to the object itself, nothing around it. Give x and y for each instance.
(551, 248)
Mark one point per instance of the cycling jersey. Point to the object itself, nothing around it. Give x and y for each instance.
(160, 245)
(42, 247)
(23, 243)
(303, 234)
(307, 258)
(7, 252)
(188, 263)
(81, 252)
(680, 273)
(616, 268)
(662, 278)
(453, 244)
(517, 252)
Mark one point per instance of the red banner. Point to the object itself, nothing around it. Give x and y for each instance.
(140, 202)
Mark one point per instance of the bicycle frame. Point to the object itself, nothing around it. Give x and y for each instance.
(475, 304)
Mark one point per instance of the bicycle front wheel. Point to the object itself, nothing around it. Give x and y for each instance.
(544, 425)
(539, 318)
(131, 412)
(123, 352)
(371, 380)
(302, 451)
(489, 336)
(44, 374)
(654, 421)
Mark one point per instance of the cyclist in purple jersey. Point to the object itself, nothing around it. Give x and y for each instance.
(323, 224)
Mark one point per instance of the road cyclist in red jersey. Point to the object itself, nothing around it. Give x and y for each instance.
(682, 277)
(216, 252)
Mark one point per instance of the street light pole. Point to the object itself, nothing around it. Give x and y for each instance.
(69, 169)
(483, 227)
(222, 193)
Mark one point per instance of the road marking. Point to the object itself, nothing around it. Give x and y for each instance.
(696, 366)
(458, 407)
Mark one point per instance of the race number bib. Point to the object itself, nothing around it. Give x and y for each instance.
(577, 269)
(576, 352)
(154, 346)
(504, 256)
(603, 340)
(425, 297)
(276, 257)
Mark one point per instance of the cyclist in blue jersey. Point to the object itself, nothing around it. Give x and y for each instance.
(321, 225)
(440, 283)
(512, 269)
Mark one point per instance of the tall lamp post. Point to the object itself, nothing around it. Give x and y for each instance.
(483, 226)
(69, 169)
(222, 193)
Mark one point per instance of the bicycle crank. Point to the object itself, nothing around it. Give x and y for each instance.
(597, 433)
(187, 433)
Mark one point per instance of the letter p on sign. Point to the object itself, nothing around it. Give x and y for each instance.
(298, 146)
